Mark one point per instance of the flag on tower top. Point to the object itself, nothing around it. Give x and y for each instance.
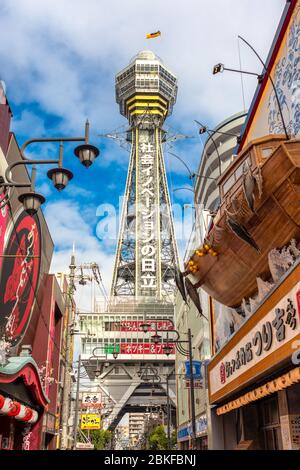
(153, 35)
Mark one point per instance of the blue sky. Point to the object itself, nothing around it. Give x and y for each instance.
(59, 59)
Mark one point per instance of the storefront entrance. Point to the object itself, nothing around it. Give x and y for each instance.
(202, 443)
(270, 431)
(261, 424)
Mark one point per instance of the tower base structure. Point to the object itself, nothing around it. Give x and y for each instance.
(129, 369)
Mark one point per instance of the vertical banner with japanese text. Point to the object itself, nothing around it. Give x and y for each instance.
(148, 282)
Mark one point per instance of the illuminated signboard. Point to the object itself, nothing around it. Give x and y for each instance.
(19, 275)
(90, 421)
(144, 348)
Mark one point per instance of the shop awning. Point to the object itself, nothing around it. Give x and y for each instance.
(23, 368)
(284, 381)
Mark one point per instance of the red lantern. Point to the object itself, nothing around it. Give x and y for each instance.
(5, 408)
(22, 413)
(34, 417)
(2, 401)
(28, 415)
(14, 409)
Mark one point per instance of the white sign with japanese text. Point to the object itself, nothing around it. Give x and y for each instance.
(147, 220)
(276, 328)
(91, 399)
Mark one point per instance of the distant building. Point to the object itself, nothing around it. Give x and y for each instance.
(136, 427)
(217, 154)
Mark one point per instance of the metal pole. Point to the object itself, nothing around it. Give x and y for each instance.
(217, 150)
(243, 71)
(272, 83)
(211, 133)
(192, 391)
(168, 415)
(67, 387)
(77, 404)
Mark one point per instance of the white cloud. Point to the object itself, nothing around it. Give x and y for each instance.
(29, 123)
(67, 226)
(43, 189)
(62, 55)
(66, 53)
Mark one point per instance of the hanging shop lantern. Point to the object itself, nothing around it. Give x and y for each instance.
(18, 411)
(5, 408)
(22, 412)
(33, 418)
(14, 409)
(2, 399)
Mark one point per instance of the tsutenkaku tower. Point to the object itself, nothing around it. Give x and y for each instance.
(146, 253)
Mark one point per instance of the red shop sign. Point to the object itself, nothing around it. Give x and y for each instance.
(20, 274)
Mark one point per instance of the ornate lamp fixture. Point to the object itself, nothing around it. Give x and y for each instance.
(60, 176)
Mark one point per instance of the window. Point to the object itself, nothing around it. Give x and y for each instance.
(266, 152)
(235, 176)
(239, 172)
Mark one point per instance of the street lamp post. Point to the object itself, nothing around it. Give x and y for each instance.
(219, 68)
(66, 389)
(189, 354)
(75, 431)
(192, 391)
(168, 414)
(204, 129)
(60, 176)
(69, 333)
(211, 134)
(156, 338)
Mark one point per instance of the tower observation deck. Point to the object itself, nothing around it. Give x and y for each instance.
(146, 254)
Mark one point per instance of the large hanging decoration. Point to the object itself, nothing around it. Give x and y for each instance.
(194, 295)
(180, 283)
(19, 276)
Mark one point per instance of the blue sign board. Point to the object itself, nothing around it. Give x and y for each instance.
(196, 370)
(201, 428)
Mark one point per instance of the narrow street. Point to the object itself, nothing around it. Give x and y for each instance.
(150, 230)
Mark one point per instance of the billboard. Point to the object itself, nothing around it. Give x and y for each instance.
(135, 325)
(144, 348)
(84, 446)
(91, 400)
(20, 274)
(90, 421)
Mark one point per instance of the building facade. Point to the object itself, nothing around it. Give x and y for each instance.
(254, 381)
(31, 310)
(136, 427)
(217, 155)
(254, 376)
(120, 357)
(187, 316)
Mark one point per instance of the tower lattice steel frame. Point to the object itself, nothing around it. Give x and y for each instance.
(146, 252)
